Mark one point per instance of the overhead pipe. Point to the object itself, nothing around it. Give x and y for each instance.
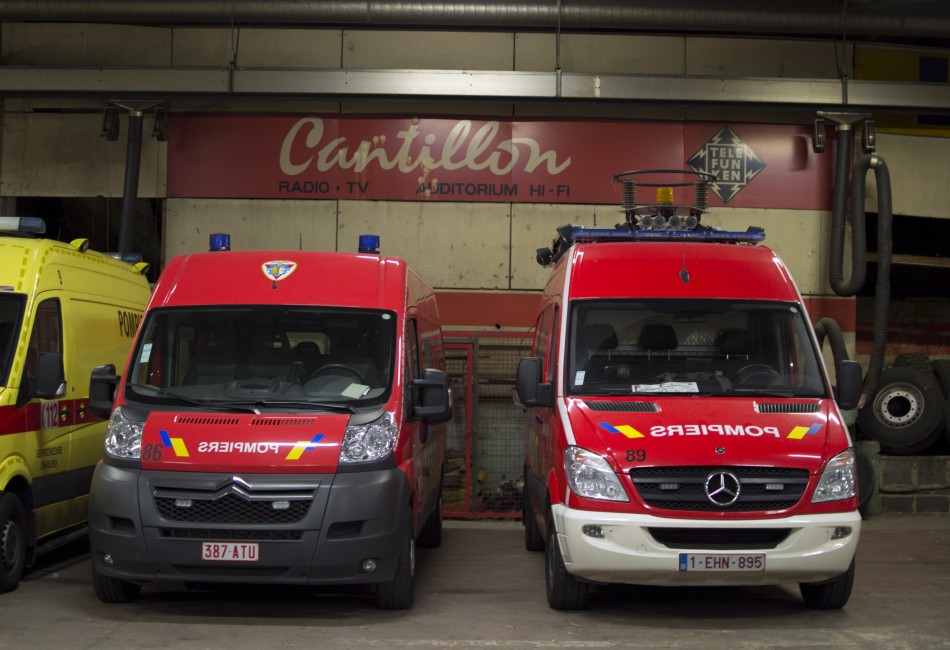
(133, 162)
(871, 20)
(882, 293)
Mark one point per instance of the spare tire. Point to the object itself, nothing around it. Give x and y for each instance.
(941, 368)
(906, 415)
(917, 360)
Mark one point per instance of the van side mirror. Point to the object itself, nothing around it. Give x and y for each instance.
(432, 403)
(49, 382)
(528, 386)
(102, 384)
(850, 382)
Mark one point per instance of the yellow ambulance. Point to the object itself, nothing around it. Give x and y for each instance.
(63, 308)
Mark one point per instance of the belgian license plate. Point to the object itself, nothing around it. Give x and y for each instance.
(230, 551)
(722, 562)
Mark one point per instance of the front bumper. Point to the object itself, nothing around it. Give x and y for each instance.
(138, 532)
(813, 550)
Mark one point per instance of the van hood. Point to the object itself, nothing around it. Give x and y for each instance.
(691, 431)
(233, 442)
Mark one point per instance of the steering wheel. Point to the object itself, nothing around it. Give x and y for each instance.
(336, 369)
(757, 373)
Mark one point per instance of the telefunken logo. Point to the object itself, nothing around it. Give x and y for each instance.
(730, 160)
(463, 148)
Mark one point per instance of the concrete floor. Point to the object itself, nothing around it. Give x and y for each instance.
(481, 589)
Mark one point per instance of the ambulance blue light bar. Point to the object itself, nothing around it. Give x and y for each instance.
(751, 236)
(31, 225)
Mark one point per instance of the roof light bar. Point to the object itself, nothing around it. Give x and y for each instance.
(751, 236)
(23, 225)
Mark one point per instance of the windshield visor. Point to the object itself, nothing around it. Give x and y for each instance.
(260, 355)
(706, 347)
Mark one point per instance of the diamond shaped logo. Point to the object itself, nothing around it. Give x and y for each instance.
(730, 159)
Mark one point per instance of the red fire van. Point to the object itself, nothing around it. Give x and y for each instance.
(280, 420)
(681, 427)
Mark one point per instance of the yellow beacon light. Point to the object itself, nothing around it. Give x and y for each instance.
(664, 196)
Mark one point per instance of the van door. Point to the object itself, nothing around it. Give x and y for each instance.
(51, 463)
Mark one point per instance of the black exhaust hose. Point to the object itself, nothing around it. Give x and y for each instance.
(829, 327)
(133, 158)
(858, 234)
(885, 244)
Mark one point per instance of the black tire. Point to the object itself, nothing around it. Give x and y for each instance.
(13, 541)
(431, 534)
(400, 592)
(533, 539)
(906, 415)
(830, 594)
(916, 360)
(867, 479)
(113, 590)
(564, 591)
(941, 369)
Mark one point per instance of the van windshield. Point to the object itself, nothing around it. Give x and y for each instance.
(262, 356)
(706, 347)
(11, 315)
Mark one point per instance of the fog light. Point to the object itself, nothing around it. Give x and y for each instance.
(841, 532)
(593, 530)
(108, 559)
(369, 565)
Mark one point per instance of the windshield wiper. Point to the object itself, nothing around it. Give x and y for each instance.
(180, 399)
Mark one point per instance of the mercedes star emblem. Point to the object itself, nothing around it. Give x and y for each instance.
(722, 488)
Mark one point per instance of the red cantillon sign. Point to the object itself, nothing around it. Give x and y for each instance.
(439, 159)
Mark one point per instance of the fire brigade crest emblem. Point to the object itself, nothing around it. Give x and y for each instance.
(730, 159)
(278, 269)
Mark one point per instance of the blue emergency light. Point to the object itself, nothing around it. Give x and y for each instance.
(369, 244)
(219, 242)
(23, 225)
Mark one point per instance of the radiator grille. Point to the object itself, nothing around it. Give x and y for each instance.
(720, 539)
(684, 488)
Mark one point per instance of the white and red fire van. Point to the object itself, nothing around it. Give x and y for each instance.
(681, 426)
(280, 421)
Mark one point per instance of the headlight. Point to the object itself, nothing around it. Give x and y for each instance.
(589, 475)
(368, 442)
(124, 436)
(838, 481)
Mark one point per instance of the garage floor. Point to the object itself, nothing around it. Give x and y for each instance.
(481, 589)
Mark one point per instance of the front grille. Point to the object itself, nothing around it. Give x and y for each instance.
(683, 488)
(720, 539)
(230, 509)
(230, 534)
(786, 407)
(624, 407)
(231, 571)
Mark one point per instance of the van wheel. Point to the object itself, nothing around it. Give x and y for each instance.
(533, 539)
(113, 590)
(400, 592)
(13, 541)
(564, 590)
(431, 535)
(830, 594)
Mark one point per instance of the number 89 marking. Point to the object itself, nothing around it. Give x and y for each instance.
(636, 455)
